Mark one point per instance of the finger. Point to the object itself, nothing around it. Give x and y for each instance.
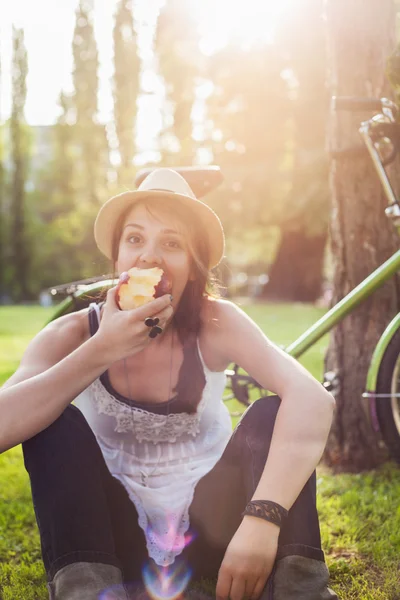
(164, 315)
(250, 587)
(223, 588)
(258, 588)
(152, 307)
(110, 298)
(238, 588)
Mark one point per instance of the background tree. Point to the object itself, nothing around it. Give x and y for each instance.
(361, 37)
(267, 116)
(19, 242)
(180, 60)
(85, 98)
(92, 162)
(126, 89)
(247, 129)
(297, 270)
(56, 216)
(2, 209)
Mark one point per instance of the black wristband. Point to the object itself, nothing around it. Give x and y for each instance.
(267, 510)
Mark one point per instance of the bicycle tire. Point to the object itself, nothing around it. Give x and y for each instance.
(388, 409)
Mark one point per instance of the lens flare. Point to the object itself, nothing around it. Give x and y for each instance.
(166, 583)
(112, 593)
(170, 540)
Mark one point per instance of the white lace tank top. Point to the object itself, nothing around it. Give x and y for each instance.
(159, 458)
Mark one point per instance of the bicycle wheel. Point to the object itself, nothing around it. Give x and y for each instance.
(388, 409)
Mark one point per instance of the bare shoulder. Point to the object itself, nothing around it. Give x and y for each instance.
(219, 313)
(218, 318)
(238, 339)
(53, 343)
(232, 332)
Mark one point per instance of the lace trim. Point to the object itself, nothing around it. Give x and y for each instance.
(165, 536)
(147, 426)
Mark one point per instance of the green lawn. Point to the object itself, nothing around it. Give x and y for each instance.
(360, 514)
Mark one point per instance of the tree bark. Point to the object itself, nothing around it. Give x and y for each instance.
(361, 36)
(296, 274)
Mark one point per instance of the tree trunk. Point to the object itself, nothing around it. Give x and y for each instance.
(20, 255)
(361, 37)
(20, 261)
(296, 273)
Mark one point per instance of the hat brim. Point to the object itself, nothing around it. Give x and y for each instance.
(111, 210)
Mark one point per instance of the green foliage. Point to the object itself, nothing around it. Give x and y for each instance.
(86, 64)
(126, 88)
(18, 241)
(4, 225)
(180, 61)
(269, 107)
(70, 188)
(89, 136)
(393, 72)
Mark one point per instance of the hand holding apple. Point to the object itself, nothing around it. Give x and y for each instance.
(123, 333)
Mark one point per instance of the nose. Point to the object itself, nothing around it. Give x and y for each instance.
(150, 256)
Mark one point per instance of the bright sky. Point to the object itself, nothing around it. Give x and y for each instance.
(49, 24)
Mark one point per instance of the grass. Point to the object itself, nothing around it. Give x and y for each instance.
(360, 514)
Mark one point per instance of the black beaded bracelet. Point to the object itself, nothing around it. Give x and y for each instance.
(267, 510)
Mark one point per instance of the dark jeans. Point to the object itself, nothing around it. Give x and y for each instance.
(85, 514)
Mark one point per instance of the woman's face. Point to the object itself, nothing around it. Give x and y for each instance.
(150, 241)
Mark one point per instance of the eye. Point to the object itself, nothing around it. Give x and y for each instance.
(136, 238)
(173, 244)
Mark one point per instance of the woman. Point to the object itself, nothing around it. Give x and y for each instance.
(143, 476)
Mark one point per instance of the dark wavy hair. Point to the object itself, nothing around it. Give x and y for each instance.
(204, 283)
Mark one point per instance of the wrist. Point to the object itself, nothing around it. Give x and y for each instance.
(267, 510)
(272, 528)
(103, 351)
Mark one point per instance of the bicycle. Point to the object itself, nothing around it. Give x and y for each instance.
(381, 399)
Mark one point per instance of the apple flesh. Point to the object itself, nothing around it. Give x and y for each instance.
(139, 286)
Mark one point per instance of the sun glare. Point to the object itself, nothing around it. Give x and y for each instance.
(246, 21)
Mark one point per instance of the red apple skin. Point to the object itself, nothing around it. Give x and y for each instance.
(163, 287)
(123, 279)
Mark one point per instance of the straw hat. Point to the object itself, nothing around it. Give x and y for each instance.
(160, 183)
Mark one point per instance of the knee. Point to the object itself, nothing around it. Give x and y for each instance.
(69, 432)
(260, 417)
(255, 429)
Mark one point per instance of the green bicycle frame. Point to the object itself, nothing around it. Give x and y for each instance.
(338, 312)
(345, 306)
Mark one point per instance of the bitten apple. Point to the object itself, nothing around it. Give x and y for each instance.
(139, 286)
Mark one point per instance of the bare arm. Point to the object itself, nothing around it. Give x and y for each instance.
(57, 365)
(305, 414)
(55, 369)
